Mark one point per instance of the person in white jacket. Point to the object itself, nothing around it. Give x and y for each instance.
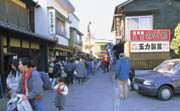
(61, 92)
(14, 77)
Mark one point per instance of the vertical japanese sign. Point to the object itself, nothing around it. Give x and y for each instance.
(110, 53)
(149, 40)
(52, 21)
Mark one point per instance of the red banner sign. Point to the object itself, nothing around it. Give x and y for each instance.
(150, 35)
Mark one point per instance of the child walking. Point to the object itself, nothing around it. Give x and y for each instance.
(61, 92)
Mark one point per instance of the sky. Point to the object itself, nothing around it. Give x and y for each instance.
(100, 13)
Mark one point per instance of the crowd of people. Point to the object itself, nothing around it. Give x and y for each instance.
(24, 78)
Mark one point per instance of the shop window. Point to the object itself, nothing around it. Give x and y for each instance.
(12, 12)
(3, 11)
(138, 23)
(60, 27)
(17, 13)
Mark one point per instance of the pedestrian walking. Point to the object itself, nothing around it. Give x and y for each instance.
(98, 64)
(89, 68)
(69, 69)
(131, 77)
(107, 64)
(56, 73)
(61, 92)
(75, 72)
(13, 78)
(104, 64)
(31, 85)
(81, 70)
(122, 74)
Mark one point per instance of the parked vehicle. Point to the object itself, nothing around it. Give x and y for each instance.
(163, 81)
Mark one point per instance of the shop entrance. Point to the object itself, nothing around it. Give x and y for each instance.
(8, 57)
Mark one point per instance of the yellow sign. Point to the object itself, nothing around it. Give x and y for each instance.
(4, 41)
(25, 44)
(64, 49)
(14, 42)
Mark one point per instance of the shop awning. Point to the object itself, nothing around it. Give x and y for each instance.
(64, 48)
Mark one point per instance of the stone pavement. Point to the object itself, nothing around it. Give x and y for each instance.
(100, 94)
(94, 95)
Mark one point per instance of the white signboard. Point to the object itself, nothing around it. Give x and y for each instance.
(158, 46)
(52, 21)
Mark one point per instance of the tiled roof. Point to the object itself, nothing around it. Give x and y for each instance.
(24, 31)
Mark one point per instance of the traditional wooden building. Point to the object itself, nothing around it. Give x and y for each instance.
(17, 37)
(145, 15)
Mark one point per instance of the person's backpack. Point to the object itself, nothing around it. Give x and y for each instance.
(46, 80)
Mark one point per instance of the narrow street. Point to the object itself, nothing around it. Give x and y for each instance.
(100, 94)
(94, 95)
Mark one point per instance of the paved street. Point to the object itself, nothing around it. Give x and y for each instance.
(100, 94)
(94, 95)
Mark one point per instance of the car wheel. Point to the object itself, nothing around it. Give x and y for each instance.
(165, 93)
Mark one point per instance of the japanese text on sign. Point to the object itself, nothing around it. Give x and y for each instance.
(52, 21)
(149, 46)
(150, 35)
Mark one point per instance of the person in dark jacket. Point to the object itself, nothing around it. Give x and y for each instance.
(56, 73)
(122, 74)
(31, 85)
(69, 69)
(131, 77)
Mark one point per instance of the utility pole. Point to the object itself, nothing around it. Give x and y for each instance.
(89, 35)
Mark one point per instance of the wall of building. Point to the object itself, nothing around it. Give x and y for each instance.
(167, 17)
(62, 40)
(58, 7)
(75, 21)
(41, 18)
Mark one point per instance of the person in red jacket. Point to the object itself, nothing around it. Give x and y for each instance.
(104, 62)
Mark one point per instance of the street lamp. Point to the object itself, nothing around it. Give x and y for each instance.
(89, 35)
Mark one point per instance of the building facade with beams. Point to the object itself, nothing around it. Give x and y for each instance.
(52, 20)
(99, 48)
(148, 18)
(75, 35)
(18, 38)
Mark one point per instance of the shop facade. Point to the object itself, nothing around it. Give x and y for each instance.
(141, 16)
(17, 36)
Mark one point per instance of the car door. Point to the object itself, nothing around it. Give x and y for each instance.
(176, 82)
